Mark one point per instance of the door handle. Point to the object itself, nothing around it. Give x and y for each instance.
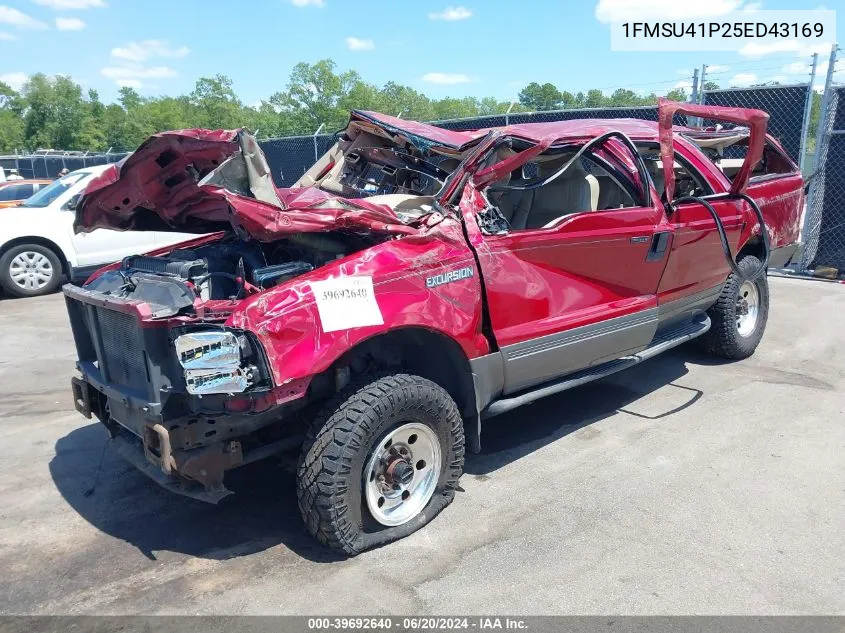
(659, 246)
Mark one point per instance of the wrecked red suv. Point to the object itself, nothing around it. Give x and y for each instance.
(412, 283)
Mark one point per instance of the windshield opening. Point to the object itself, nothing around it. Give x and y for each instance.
(368, 162)
(48, 194)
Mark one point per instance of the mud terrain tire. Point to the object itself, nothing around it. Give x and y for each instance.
(342, 441)
(726, 338)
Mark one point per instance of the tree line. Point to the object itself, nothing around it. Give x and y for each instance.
(56, 113)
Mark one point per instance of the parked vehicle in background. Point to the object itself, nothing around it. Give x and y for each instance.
(414, 282)
(38, 247)
(13, 192)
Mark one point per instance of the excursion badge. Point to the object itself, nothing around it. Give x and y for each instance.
(449, 277)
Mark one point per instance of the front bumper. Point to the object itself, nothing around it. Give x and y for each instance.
(133, 384)
(196, 472)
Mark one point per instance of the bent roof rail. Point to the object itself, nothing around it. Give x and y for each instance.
(423, 135)
(756, 121)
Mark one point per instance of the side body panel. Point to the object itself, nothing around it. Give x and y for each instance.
(697, 267)
(572, 296)
(412, 290)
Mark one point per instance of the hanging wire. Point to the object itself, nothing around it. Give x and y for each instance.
(750, 64)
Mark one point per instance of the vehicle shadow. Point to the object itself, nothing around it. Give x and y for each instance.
(129, 506)
(263, 511)
(511, 436)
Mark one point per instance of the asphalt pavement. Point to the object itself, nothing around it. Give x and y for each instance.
(681, 486)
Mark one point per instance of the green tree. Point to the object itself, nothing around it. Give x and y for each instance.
(56, 114)
(216, 106)
(540, 97)
(595, 99)
(452, 108)
(11, 119)
(677, 94)
(314, 96)
(623, 97)
(407, 102)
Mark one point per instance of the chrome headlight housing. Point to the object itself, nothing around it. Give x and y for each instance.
(213, 362)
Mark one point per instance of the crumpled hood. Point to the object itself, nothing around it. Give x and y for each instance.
(202, 181)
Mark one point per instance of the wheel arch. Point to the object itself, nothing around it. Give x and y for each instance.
(39, 241)
(753, 246)
(415, 350)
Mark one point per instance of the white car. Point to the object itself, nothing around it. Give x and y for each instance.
(38, 247)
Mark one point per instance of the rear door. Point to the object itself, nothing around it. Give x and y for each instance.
(574, 291)
(697, 265)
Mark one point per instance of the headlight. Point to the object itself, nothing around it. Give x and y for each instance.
(223, 380)
(212, 363)
(208, 350)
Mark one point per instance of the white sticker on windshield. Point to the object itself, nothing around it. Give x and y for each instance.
(346, 302)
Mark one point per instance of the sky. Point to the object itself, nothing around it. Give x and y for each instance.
(472, 48)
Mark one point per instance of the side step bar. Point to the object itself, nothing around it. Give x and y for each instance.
(672, 337)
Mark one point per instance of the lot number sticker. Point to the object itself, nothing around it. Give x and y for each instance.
(346, 302)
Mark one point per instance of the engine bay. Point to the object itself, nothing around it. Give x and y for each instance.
(228, 269)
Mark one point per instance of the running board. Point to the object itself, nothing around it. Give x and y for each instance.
(666, 340)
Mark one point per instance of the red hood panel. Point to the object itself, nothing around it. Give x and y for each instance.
(157, 188)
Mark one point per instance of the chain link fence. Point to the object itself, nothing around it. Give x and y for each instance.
(785, 105)
(648, 113)
(291, 156)
(824, 224)
(823, 234)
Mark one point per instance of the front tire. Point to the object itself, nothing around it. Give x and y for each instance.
(739, 316)
(380, 461)
(30, 270)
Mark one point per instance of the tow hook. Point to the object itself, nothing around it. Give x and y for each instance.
(157, 439)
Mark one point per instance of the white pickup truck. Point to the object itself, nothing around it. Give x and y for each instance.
(38, 247)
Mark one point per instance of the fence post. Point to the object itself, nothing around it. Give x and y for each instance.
(808, 106)
(818, 178)
(693, 98)
(703, 77)
(319, 129)
(694, 121)
(508, 111)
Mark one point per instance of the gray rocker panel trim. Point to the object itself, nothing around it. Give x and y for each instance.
(687, 307)
(488, 377)
(538, 360)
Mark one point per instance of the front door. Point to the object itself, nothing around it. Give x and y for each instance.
(572, 281)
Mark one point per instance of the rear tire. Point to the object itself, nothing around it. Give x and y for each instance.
(739, 316)
(30, 270)
(380, 461)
